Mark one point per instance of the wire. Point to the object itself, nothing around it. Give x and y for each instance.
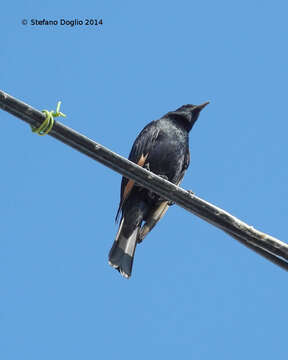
(271, 248)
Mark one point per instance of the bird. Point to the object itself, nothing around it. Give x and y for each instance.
(163, 148)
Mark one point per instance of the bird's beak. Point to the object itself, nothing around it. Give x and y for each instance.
(201, 107)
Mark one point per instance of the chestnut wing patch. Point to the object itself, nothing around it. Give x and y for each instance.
(130, 183)
(141, 148)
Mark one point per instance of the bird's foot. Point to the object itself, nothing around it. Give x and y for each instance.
(164, 177)
(152, 195)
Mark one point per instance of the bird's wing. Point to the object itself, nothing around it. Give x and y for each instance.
(156, 215)
(139, 153)
(163, 206)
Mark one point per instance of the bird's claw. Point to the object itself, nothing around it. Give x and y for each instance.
(164, 177)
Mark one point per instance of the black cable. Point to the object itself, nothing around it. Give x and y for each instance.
(264, 244)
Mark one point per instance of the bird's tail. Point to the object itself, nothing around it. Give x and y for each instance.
(122, 252)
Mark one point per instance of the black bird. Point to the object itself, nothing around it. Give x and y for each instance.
(163, 148)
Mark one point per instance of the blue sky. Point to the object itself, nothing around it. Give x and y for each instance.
(195, 292)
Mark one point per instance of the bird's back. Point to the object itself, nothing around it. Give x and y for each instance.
(167, 146)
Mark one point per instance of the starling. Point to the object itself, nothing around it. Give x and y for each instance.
(163, 148)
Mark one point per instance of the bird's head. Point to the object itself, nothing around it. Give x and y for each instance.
(187, 114)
